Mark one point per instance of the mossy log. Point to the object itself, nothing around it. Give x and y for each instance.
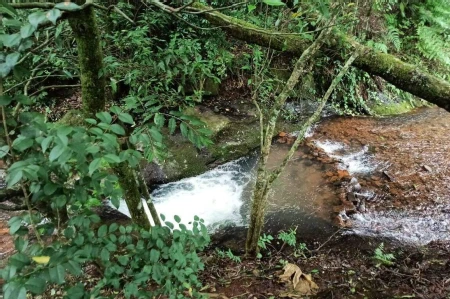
(405, 76)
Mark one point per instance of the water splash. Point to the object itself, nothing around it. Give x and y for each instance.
(215, 196)
(354, 162)
(410, 227)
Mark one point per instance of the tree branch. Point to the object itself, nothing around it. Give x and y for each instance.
(312, 119)
(403, 75)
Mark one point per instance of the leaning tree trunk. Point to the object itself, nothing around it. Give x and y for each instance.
(90, 56)
(405, 76)
(262, 186)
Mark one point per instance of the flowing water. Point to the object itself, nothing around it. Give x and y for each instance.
(300, 197)
(303, 198)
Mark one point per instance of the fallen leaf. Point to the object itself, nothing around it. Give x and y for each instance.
(41, 259)
(299, 284)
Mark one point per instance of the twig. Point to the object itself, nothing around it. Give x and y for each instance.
(218, 8)
(55, 86)
(328, 240)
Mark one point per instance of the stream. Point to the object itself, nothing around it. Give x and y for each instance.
(400, 162)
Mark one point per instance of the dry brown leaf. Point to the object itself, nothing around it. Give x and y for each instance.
(299, 283)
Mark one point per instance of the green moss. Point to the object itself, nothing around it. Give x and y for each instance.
(73, 118)
(214, 122)
(90, 57)
(392, 108)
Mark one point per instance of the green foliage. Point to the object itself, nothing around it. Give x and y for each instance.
(288, 237)
(229, 255)
(264, 241)
(382, 258)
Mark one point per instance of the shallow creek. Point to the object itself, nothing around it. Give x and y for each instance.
(376, 152)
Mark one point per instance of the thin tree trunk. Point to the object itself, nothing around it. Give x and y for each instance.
(148, 198)
(261, 189)
(405, 76)
(132, 195)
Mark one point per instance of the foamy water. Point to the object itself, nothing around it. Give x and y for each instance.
(354, 162)
(405, 226)
(215, 196)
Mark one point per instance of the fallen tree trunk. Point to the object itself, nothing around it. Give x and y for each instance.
(405, 76)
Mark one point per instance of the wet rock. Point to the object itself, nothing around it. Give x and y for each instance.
(427, 168)
(389, 176)
(153, 174)
(361, 206)
(351, 197)
(343, 174)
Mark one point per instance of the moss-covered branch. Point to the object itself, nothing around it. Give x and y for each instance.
(405, 76)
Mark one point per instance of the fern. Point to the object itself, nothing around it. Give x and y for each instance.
(383, 258)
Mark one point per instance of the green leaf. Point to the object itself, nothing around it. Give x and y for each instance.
(14, 177)
(154, 255)
(22, 143)
(11, 40)
(111, 158)
(73, 267)
(91, 121)
(4, 70)
(56, 152)
(36, 285)
(23, 99)
(12, 23)
(126, 118)
(94, 165)
(76, 292)
(27, 30)
(67, 6)
(274, 2)
(117, 129)
(11, 59)
(20, 244)
(53, 15)
(15, 290)
(159, 120)
(104, 117)
(184, 130)
(104, 254)
(102, 231)
(14, 224)
(177, 218)
(37, 18)
(4, 151)
(57, 274)
(172, 125)
(46, 143)
(50, 188)
(8, 9)
(19, 260)
(5, 100)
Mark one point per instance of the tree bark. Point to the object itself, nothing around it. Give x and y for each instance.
(90, 57)
(132, 195)
(262, 186)
(405, 76)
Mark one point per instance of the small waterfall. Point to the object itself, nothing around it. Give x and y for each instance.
(215, 196)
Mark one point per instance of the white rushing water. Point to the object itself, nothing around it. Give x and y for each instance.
(404, 226)
(353, 161)
(215, 196)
